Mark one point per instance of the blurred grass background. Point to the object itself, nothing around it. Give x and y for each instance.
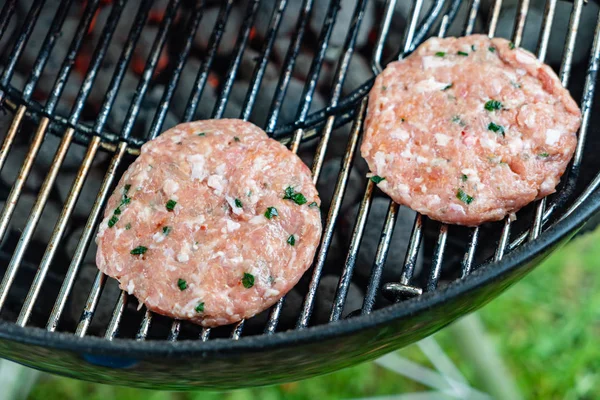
(546, 329)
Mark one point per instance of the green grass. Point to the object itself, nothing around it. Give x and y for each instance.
(546, 327)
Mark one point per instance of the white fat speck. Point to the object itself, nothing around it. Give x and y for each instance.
(421, 159)
(429, 85)
(515, 145)
(525, 58)
(434, 199)
(183, 257)
(406, 153)
(521, 71)
(457, 208)
(428, 169)
(497, 86)
(441, 139)
(220, 169)
(197, 162)
(552, 136)
(169, 253)
(548, 185)
(530, 119)
(229, 310)
(403, 188)
(232, 226)
(399, 133)
(435, 62)
(216, 182)
(423, 188)
(379, 162)
(118, 232)
(170, 187)
(367, 148)
(130, 287)
(231, 201)
(258, 219)
(271, 292)
(418, 180)
(171, 268)
(158, 237)
(488, 143)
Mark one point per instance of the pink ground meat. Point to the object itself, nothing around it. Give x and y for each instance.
(467, 130)
(212, 223)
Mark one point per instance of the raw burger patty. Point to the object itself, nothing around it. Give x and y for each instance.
(468, 130)
(213, 222)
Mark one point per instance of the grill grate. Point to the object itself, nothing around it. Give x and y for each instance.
(319, 125)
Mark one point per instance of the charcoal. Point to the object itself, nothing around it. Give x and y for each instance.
(327, 182)
(342, 24)
(326, 294)
(184, 89)
(22, 212)
(372, 234)
(88, 193)
(72, 241)
(232, 28)
(288, 19)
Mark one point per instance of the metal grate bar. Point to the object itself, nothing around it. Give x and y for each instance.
(240, 47)
(520, 24)
(298, 134)
(132, 114)
(390, 219)
(336, 201)
(157, 123)
(5, 15)
(438, 258)
(19, 46)
(122, 64)
(144, 83)
(167, 96)
(107, 104)
(84, 241)
(202, 76)
(49, 42)
(261, 67)
(289, 63)
(472, 17)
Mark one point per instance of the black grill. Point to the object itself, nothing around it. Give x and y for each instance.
(37, 286)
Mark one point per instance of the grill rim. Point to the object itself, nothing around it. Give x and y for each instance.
(482, 276)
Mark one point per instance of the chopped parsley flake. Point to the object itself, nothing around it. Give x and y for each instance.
(271, 212)
(237, 139)
(126, 188)
(377, 179)
(167, 230)
(238, 203)
(473, 47)
(313, 204)
(128, 226)
(440, 53)
(462, 53)
(117, 211)
(171, 205)
(248, 280)
(515, 84)
(462, 196)
(511, 45)
(112, 221)
(456, 119)
(499, 129)
(402, 119)
(447, 87)
(544, 155)
(291, 240)
(182, 284)
(139, 250)
(202, 134)
(383, 88)
(492, 49)
(296, 197)
(464, 178)
(200, 307)
(493, 105)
